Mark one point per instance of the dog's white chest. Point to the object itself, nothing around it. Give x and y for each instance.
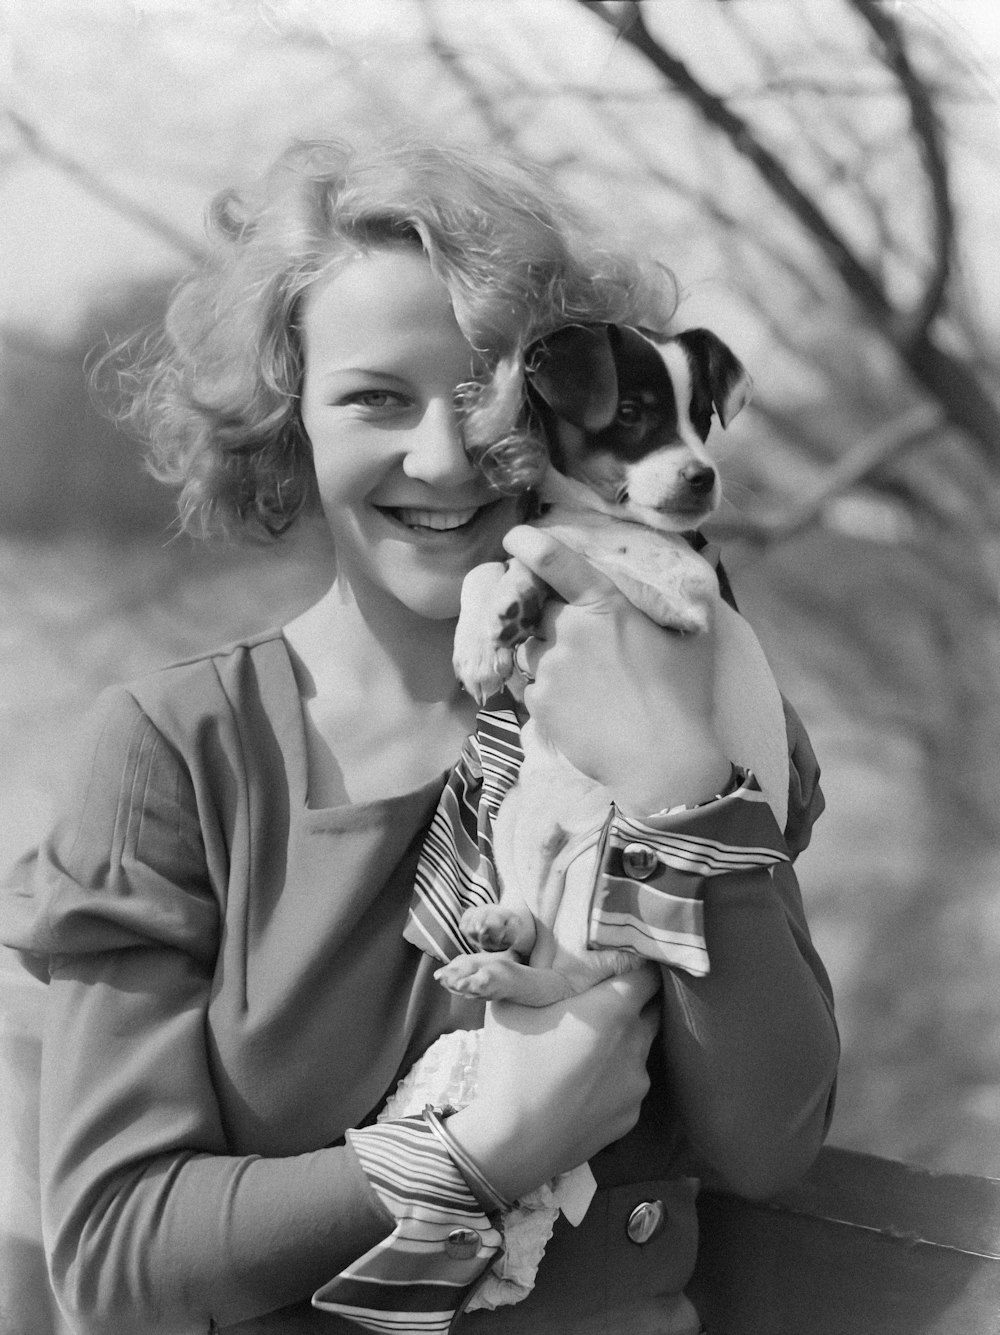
(552, 807)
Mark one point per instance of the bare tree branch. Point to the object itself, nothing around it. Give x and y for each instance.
(629, 24)
(917, 428)
(927, 130)
(499, 130)
(88, 180)
(944, 376)
(763, 91)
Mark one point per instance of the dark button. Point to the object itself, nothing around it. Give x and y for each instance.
(645, 1222)
(462, 1244)
(639, 861)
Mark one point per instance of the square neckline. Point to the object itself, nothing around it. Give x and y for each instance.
(364, 812)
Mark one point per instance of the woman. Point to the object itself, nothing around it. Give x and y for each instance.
(221, 906)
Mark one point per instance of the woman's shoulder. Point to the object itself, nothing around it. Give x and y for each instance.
(217, 661)
(214, 710)
(253, 667)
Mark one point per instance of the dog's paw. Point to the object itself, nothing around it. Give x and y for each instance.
(691, 618)
(494, 977)
(481, 666)
(493, 927)
(518, 619)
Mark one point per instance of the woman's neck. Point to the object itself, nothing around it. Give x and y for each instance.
(382, 709)
(376, 642)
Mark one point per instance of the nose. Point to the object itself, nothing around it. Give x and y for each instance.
(698, 478)
(436, 451)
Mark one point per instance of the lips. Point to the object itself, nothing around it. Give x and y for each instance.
(435, 521)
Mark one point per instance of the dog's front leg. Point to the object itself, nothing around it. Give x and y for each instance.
(501, 606)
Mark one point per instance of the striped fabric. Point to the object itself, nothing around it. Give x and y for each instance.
(660, 917)
(455, 870)
(416, 1278)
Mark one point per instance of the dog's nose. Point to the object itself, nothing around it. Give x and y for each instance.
(700, 479)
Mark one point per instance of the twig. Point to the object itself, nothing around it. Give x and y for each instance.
(629, 24)
(100, 189)
(908, 433)
(939, 372)
(498, 129)
(927, 130)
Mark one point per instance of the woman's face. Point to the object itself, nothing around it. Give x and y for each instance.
(409, 515)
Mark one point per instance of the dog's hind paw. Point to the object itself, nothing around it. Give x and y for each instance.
(493, 927)
(494, 977)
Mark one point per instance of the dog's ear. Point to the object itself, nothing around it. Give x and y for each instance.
(723, 376)
(573, 370)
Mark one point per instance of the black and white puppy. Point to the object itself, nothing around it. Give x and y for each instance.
(626, 421)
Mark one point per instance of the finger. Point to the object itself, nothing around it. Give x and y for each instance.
(566, 571)
(526, 657)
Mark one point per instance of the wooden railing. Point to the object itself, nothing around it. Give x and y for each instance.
(862, 1246)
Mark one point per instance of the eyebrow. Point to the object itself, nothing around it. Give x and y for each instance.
(359, 370)
(362, 372)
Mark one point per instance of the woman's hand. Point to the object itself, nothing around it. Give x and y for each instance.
(628, 703)
(558, 1083)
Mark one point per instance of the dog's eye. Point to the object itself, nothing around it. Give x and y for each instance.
(629, 412)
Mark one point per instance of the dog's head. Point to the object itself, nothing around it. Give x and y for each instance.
(629, 417)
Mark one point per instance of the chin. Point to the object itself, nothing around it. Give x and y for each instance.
(432, 588)
(437, 611)
(433, 604)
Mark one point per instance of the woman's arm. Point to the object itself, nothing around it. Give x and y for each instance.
(150, 1222)
(748, 1036)
(751, 1047)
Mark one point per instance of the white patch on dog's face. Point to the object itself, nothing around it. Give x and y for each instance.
(658, 494)
(661, 497)
(675, 359)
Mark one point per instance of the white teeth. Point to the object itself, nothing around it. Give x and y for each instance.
(440, 520)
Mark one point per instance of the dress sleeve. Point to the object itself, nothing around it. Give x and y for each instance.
(419, 1276)
(649, 892)
(150, 1221)
(751, 1046)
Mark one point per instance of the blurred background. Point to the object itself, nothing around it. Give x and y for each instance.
(822, 176)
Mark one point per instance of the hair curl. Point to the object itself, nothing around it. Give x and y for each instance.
(216, 394)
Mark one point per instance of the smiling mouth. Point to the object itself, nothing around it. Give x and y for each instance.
(434, 521)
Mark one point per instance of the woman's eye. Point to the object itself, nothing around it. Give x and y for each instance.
(375, 398)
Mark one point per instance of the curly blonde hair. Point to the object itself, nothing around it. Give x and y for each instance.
(216, 394)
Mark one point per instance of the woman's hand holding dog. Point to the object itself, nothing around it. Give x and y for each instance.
(558, 1083)
(628, 703)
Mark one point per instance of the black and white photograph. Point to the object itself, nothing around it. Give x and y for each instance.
(499, 667)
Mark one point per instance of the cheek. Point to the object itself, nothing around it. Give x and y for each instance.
(340, 464)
